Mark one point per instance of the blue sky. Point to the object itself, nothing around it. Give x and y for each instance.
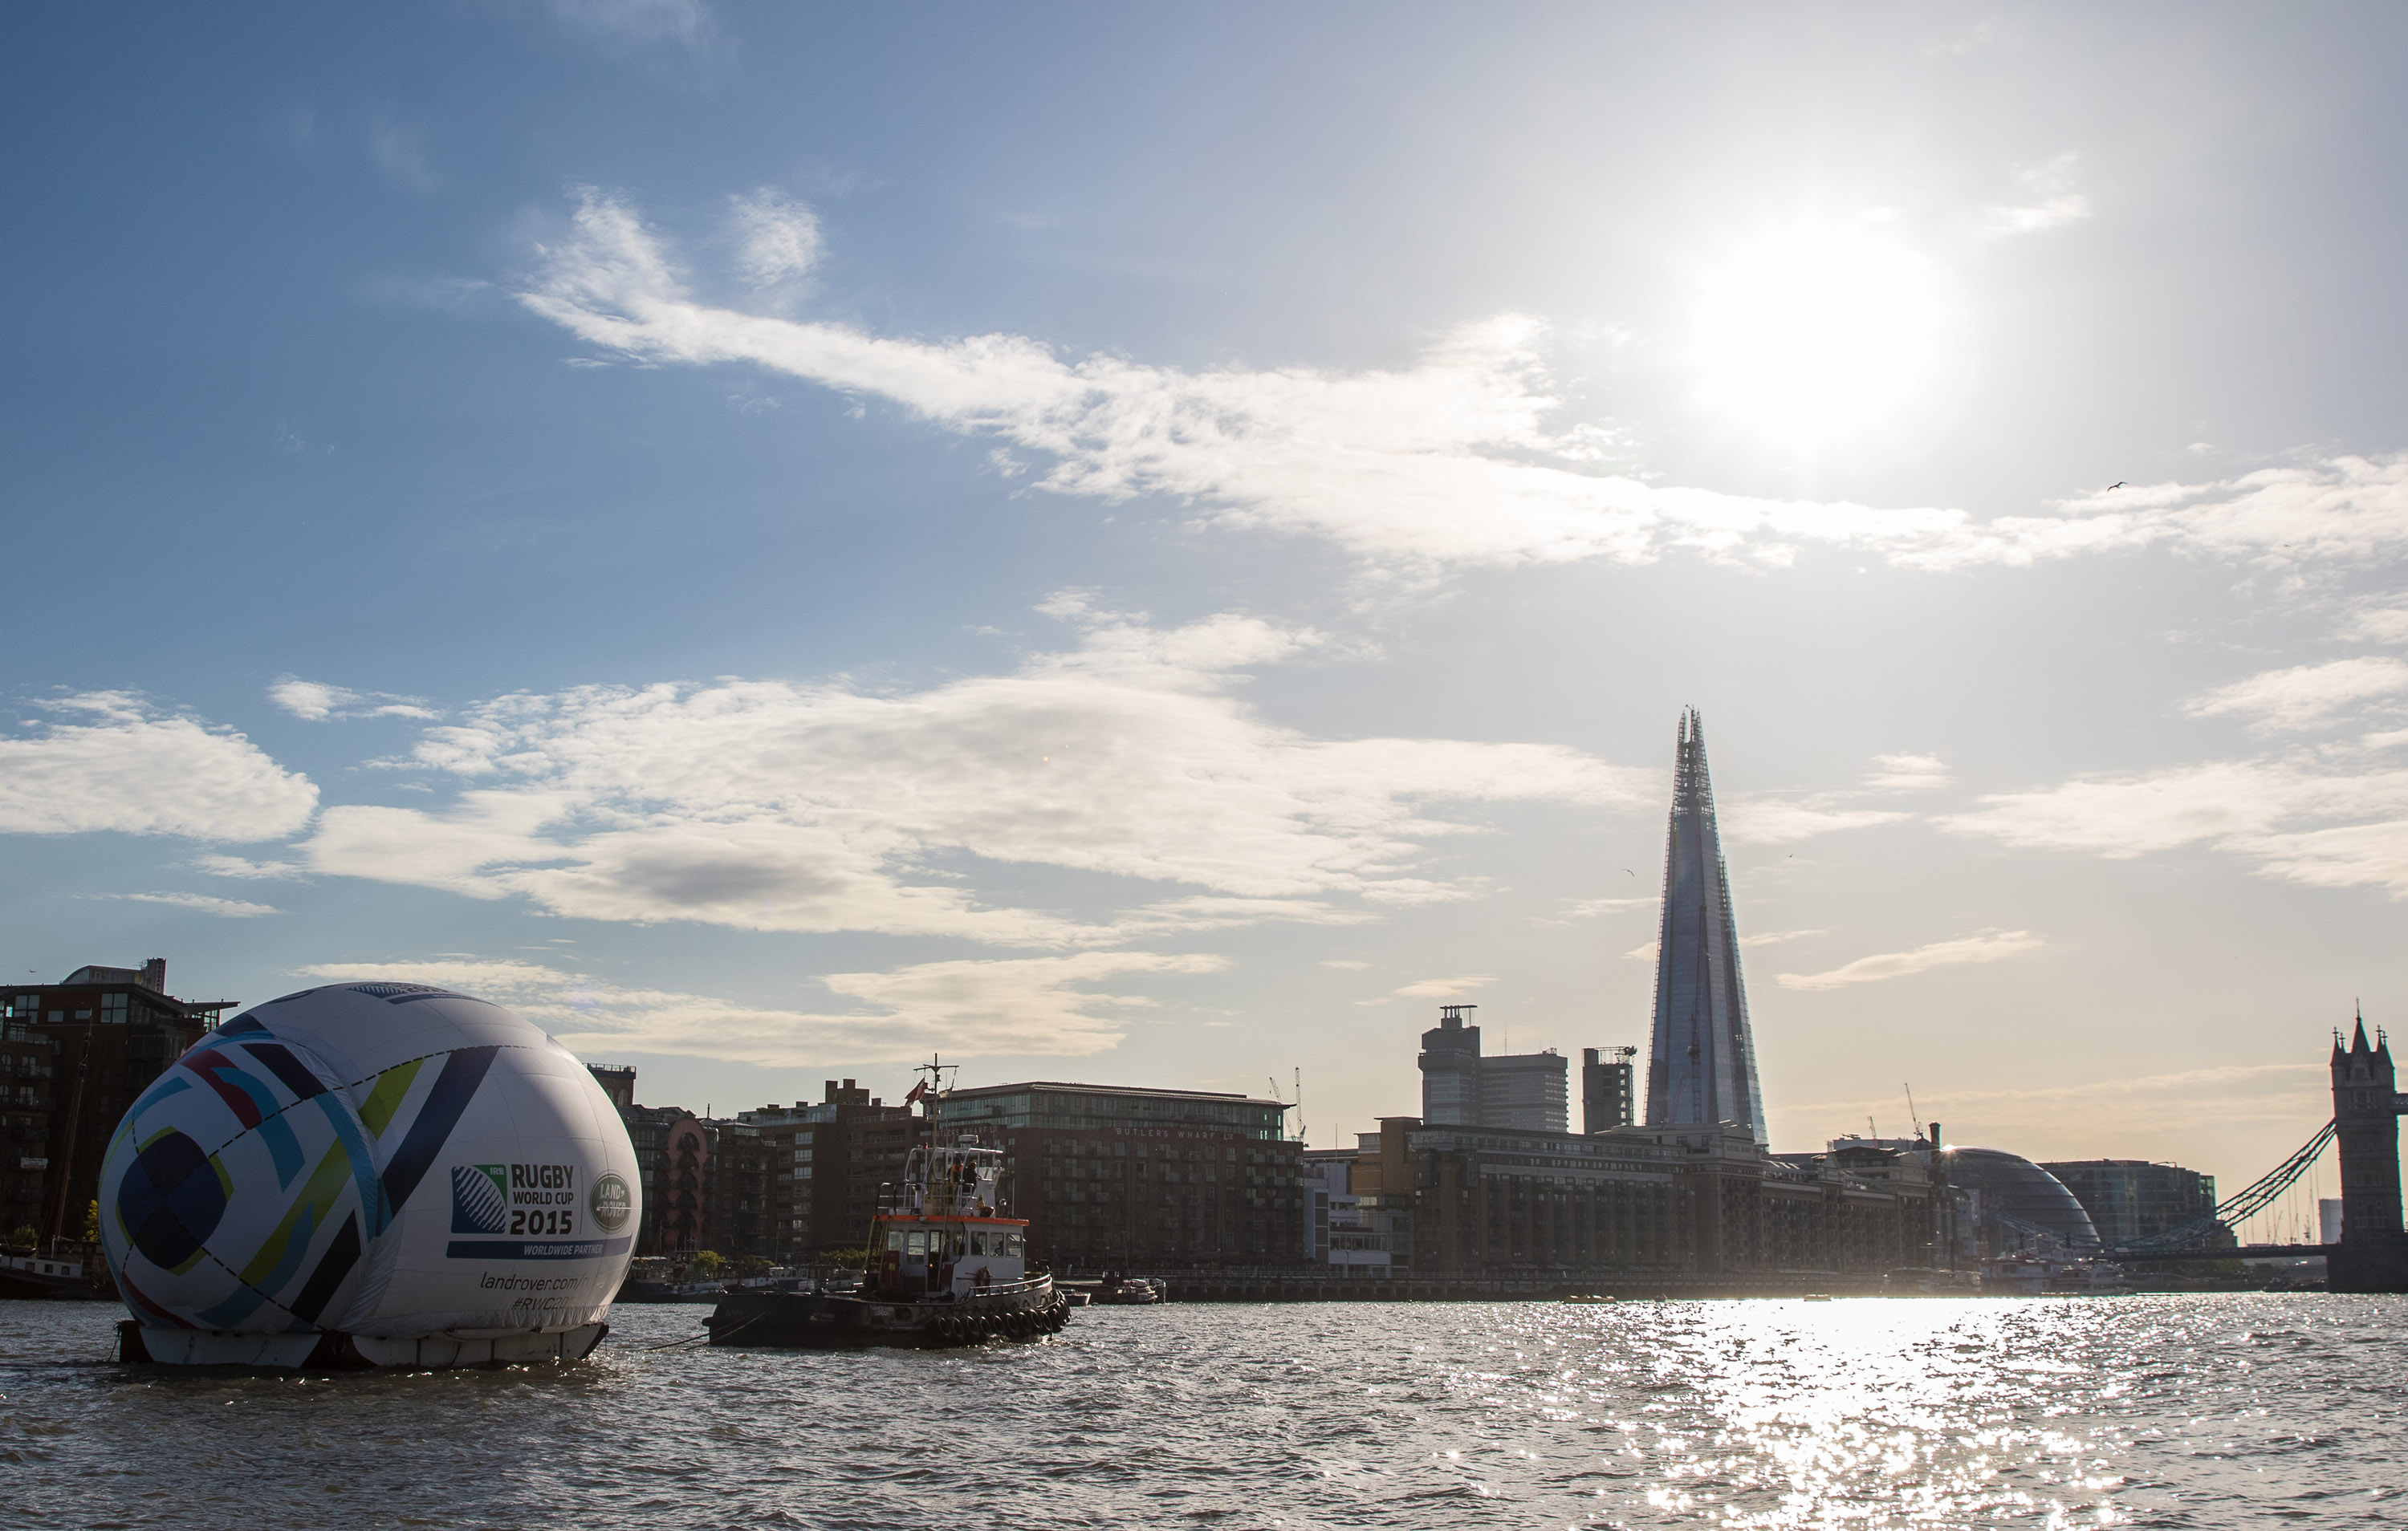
(1159, 546)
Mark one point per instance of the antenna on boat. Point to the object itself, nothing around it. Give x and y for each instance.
(933, 1090)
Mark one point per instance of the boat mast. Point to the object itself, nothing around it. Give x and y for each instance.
(932, 1090)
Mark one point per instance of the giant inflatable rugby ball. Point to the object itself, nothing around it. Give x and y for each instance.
(401, 1174)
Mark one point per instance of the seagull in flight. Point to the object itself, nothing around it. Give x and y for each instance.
(2112, 488)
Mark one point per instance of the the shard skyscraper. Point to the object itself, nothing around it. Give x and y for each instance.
(1701, 1065)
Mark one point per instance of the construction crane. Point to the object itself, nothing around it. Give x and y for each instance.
(1297, 1105)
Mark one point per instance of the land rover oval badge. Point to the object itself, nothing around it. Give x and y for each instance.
(608, 1203)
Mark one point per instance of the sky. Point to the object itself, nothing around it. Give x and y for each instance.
(1159, 545)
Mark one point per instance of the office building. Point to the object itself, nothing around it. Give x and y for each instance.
(1353, 1226)
(1608, 1089)
(2132, 1199)
(1450, 1066)
(1519, 1091)
(1702, 1059)
(1525, 1092)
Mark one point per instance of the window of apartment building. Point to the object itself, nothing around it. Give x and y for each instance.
(112, 1010)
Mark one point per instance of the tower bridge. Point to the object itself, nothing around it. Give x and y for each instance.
(2373, 1253)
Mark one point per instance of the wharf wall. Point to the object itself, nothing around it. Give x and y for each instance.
(1311, 1287)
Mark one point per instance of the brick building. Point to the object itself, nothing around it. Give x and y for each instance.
(1114, 1177)
(739, 1222)
(1647, 1201)
(29, 1065)
(823, 1167)
(1108, 1174)
(674, 1161)
(116, 1029)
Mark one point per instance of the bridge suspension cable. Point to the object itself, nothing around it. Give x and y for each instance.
(2242, 1205)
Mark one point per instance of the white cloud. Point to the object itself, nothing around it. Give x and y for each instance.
(2050, 200)
(242, 868)
(1453, 461)
(1890, 964)
(2127, 816)
(778, 239)
(2375, 624)
(1586, 907)
(226, 908)
(1644, 953)
(1909, 773)
(2349, 509)
(776, 805)
(139, 770)
(1446, 461)
(447, 850)
(1438, 988)
(2294, 820)
(2304, 695)
(1347, 963)
(1776, 821)
(317, 702)
(2363, 856)
(1010, 1007)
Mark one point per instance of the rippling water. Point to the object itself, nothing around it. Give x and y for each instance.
(2212, 1412)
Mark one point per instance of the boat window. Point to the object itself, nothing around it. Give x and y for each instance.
(1011, 1243)
(915, 1243)
(895, 1238)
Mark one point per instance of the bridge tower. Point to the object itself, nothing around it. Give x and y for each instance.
(2373, 1255)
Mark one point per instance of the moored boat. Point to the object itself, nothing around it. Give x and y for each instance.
(1118, 1291)
(48, 1276)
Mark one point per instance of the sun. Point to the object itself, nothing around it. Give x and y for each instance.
(1819, 333)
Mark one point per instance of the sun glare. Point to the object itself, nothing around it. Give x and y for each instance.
(1821, 333)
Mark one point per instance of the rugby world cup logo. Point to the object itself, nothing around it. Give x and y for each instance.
(481, 1198)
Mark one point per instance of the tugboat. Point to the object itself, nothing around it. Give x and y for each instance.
(946, 1265)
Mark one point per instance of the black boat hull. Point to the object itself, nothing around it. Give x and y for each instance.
(807, 1321)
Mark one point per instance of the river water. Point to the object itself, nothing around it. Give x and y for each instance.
(2212, 1412)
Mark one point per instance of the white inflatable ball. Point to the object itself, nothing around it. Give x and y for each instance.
(371, 1159)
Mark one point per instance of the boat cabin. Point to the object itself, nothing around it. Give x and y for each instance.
(942, 1232)
(42, 1264)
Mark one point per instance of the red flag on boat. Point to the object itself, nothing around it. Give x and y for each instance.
(919, 1092)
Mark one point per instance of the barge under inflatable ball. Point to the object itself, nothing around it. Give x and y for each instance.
(382, 1173)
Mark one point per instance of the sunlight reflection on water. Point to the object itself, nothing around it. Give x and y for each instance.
(2212, 1412)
